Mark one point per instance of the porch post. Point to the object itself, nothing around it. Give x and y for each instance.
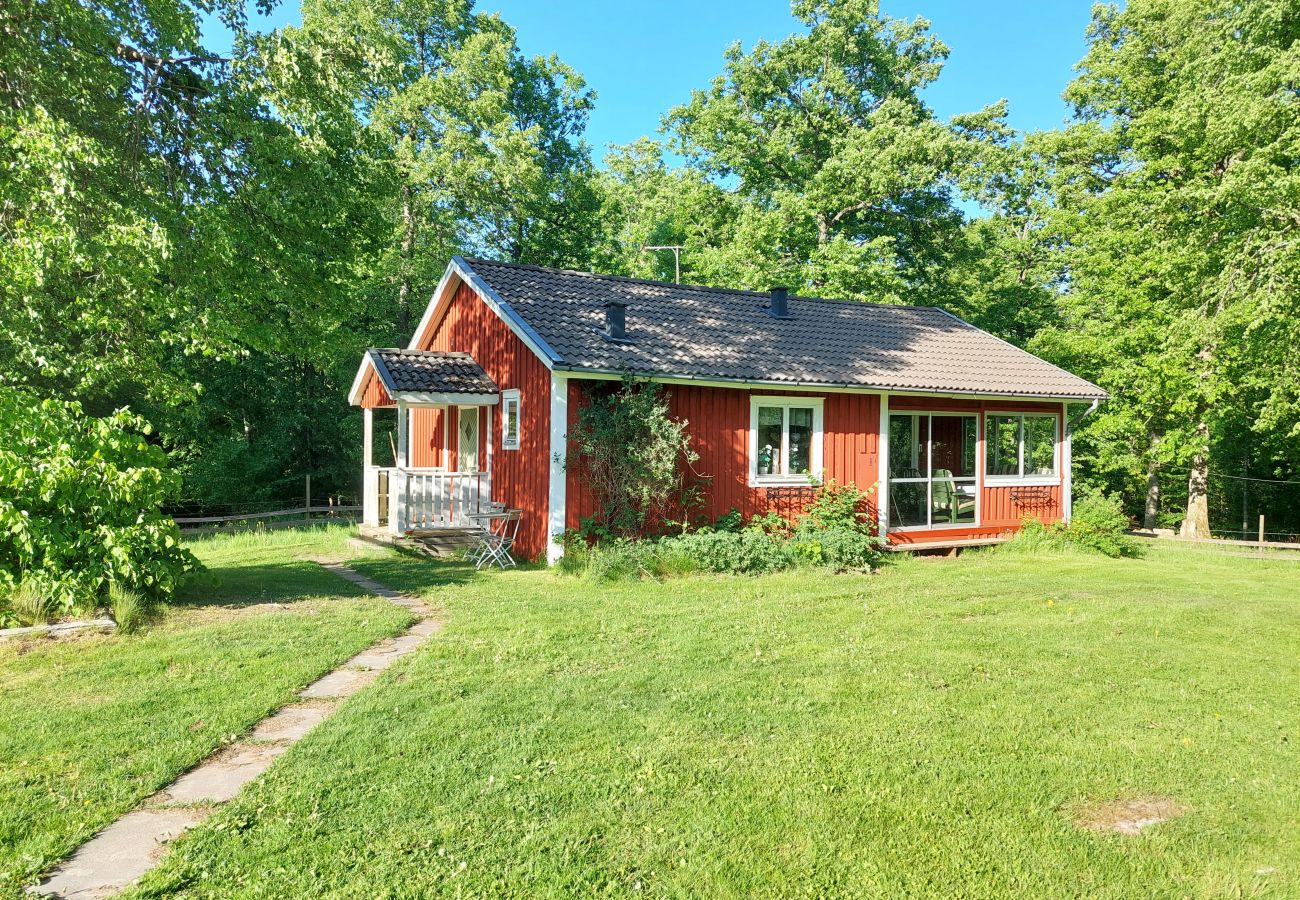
(369, 483)
(556, 501)
(882, 456)
(368, 437)
(397, 516)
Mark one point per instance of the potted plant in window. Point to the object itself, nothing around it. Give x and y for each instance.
(765, 460)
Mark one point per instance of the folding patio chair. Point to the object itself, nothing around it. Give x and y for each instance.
(499, 540)
(484, 523)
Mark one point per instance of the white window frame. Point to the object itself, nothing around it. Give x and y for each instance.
(509, 397)
(1022, 479)
(928, 478)
(816, 404)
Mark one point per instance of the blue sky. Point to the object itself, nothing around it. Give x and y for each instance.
(642, 58)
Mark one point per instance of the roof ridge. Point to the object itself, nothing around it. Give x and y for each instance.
(628, 279)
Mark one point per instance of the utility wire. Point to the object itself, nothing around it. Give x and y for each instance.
(1247, 478)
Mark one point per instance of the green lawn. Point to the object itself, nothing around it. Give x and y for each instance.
(91, 725)
(930, 731)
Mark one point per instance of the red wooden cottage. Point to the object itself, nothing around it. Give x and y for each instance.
(960, 434)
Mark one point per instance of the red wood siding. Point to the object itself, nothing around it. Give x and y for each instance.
(519, 477)
(1001, 506)
(718, 423)
(374, 395)
(427, 437)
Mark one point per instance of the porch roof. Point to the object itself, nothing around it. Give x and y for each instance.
(424, 376)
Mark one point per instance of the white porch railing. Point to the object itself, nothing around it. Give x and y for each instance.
(420, 499)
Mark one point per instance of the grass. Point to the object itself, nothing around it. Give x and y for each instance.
(934, 730)
(91, 725)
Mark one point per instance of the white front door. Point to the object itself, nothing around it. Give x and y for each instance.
(467, 440)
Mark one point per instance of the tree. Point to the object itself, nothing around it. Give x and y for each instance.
(645, 203)
(1179, 193)
(845, 179)
(481, 144)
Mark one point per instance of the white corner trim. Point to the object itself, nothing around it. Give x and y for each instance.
(1067, 465)
(556, 504)
(882, 475)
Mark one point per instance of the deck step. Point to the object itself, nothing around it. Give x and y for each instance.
(430, 541)
(953, 544)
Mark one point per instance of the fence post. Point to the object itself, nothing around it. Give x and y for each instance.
(1261, 529)
(308, 492)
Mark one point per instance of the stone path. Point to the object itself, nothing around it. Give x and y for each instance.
(135, 843)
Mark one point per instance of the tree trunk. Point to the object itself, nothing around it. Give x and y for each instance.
(408, 246)
(1197, 523)
(1150, 515)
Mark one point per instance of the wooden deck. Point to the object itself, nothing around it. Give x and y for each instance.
(952, 546)
(431, 541)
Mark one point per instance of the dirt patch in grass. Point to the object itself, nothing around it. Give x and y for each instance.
(1128, 816)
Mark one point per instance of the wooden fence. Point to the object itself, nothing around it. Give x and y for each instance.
(280, 518)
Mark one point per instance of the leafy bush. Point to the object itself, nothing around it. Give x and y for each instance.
(1098, 521)
(633, 456)
(131, 609)
(732, 520)
(842, 507)
(732, 552)
(1097, 525)
(841, 549)
(81, 504)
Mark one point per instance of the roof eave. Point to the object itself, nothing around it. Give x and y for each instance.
(779, 384)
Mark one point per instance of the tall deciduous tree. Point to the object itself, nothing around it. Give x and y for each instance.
(1180, 190)
(846, 179)
(483, 145)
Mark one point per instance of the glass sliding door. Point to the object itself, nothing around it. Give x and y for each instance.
(909, 443)
(932, 459)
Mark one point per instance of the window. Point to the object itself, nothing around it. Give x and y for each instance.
(932, 470)
(785, 440)
(1020, 446)
(510, 420)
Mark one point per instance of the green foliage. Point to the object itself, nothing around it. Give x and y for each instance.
(732, 520)
(632, 455)
(1097, 525)
(840, 507)
(1176, 188)
(841, 549)
(770, 522)
(1098, 521)
(733, 552)
(131, 609)
(81, 503)
(843, 176)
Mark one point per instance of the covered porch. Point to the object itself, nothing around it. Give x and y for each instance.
(441, 474)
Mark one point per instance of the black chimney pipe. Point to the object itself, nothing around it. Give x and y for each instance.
(615, 320)
(779, 307)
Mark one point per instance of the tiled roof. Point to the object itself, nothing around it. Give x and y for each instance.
(712, 333)
(435, 373)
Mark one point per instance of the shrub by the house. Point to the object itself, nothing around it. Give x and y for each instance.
(80, 508)
(1097, 524)
(834, 532)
